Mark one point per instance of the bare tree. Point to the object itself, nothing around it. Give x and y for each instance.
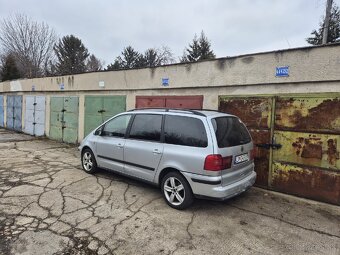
(30, 42)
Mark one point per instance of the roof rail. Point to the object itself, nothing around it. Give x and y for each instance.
(196, 112)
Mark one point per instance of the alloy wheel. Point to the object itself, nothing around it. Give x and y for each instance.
(174, 191)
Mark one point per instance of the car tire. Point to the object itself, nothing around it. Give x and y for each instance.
(176, 191)
(88, 161)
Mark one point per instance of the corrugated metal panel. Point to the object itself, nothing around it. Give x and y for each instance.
(256, 114)
(2, 110)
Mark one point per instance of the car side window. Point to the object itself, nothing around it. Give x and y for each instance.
(186, 131)
(146, 127)
(116, 127)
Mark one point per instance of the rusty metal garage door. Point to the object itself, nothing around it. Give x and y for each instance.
(35, 115)
(297, 142)
(184, 102)
(14, 113)
(100, 108)
(2, 111)
(64, 119)
(256, 113)
(308, 164)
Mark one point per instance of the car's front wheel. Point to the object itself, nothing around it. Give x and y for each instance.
(88, 161)
(176, 191)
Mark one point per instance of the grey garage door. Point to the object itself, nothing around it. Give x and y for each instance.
(14, 111)
(1, 111)
(35, 115)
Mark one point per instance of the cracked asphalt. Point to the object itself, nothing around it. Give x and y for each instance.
(48, 205)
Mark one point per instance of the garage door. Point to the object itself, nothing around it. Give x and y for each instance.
(297, 142)
(1, 111)
(14, 113)
(35, 115)
(183, 102)
(100, 108)
(64, 119)
(308, 163)
(256, 114)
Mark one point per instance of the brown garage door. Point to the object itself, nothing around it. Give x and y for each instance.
(183, 102)
(256, 114)
(297, 142)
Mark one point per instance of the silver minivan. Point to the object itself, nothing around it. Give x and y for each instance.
(188, 153)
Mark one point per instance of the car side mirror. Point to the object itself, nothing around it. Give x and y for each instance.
(98, 131)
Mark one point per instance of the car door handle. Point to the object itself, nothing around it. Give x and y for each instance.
(156, 151)
(119, 145)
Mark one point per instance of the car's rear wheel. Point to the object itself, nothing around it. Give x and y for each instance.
(176, 191)
(88, 161)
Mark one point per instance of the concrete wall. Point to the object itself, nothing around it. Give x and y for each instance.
(312, 70)
(311, 64)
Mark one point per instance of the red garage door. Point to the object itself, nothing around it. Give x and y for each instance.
(184, 102)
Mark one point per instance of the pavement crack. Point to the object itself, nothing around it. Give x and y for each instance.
(286, 222)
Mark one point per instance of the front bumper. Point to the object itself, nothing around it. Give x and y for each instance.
(217, 191)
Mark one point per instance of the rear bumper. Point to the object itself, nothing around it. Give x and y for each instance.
(210, 187)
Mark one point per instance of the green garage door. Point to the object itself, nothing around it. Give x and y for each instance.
(64, 119)
(100, 108)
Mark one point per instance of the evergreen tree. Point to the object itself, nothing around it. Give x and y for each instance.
(158, 56)
(333, 29)
(9, 69)
(93, 64)
(71, 54)
(199, 49)
(114, 66)
(152, 57)
(130, 58)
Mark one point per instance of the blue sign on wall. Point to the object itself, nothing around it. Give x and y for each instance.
(165, 81)
(61, 85)
(282, 71)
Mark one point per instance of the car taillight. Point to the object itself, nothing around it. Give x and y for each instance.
(252, 154)
(215, 162)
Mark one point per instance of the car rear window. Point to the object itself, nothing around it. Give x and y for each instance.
(230, 131)
(185, 131)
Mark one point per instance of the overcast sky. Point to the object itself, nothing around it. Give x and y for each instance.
(234, 27)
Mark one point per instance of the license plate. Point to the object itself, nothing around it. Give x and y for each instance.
(241, 158)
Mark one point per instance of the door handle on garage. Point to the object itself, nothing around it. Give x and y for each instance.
(156, 151)
(119, 145)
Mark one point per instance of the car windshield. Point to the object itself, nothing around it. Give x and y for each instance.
(230, 131)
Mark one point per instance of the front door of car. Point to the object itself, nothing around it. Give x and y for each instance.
(110, 143)
(143, 148)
